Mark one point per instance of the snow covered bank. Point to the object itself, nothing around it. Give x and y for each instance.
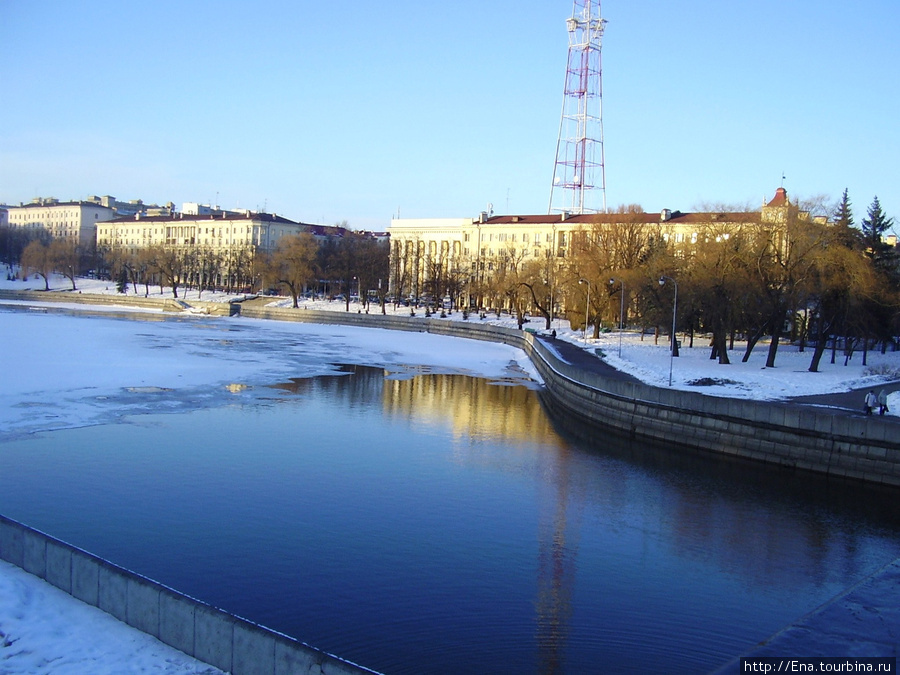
(44, 630)
(641, 356)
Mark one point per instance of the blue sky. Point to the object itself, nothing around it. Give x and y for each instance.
(358, 111)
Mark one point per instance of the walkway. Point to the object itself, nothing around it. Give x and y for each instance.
(583, 359)
(862, 622)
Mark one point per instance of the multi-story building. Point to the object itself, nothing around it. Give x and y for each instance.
(461, 248)
(218, 233)
(76, 221)
(219, 246)
(133, 207)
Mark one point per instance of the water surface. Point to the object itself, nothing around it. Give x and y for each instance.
(429, 523)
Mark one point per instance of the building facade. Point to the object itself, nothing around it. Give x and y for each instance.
(452, 253)
(75, 221)
(217, 233)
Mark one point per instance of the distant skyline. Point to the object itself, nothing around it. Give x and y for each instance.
(325, 112)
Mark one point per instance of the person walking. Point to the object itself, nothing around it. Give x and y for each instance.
(882, 402)
(871, 402)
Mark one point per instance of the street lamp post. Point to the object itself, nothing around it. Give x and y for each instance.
(662, 282)
(587, 307)
(621, 313)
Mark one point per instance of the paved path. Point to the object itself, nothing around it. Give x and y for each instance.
(582, 358)
(849, 401)
(864, 621)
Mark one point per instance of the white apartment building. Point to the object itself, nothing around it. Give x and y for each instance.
(219, 233)
(76, 221)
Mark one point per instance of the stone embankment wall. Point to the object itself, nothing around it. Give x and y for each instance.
(795, 436)
(801, 437)
(76, 298)
(211, 635)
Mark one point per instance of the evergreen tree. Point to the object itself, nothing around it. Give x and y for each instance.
(874, 226)
(846, 233)
(122, 281)
(843, 215)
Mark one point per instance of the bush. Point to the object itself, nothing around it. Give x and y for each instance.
(884, 370)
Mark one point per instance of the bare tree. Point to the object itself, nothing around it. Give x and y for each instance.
(36, 260)
(169, 262)
(65, 257)
(293, 263)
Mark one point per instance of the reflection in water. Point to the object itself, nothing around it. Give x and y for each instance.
(424, 524)
(556, 567)
(709, 496)
(472, 408)
(703, 509)
(475, 410)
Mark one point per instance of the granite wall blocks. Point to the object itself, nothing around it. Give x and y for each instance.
(86, 578)
(176, 621)
(12, 543)
(112, 596)
(35, 554)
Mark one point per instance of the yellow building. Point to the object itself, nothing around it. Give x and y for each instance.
(448, 253)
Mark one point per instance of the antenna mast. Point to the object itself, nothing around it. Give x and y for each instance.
(579, 174)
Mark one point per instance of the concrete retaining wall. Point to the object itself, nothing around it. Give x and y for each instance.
(211, 635)
(74, 297)
(863, 448)
(467, 329)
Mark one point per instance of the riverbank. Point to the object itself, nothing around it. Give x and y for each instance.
(643, 356)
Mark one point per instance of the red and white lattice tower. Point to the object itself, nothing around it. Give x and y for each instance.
(579, 175)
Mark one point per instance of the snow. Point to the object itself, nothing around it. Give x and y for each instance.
(63, 370)
(45, 630)
(641, 356)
